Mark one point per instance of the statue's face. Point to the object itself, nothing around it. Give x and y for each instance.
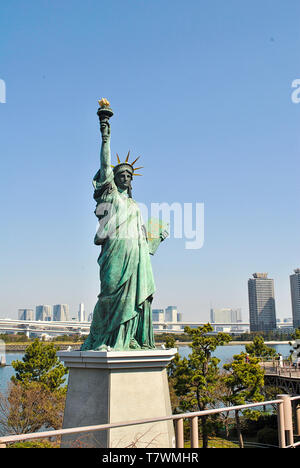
(123, 179)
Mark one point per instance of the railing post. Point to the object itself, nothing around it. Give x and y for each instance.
(297, 416)
(194, 432)
(287, 418)
(280, 425)
(179, 433)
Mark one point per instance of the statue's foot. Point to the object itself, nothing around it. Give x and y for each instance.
(103, 348)
(148, 347)
(134, 344)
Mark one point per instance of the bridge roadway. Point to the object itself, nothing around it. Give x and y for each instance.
(287, 377)
(73, 326)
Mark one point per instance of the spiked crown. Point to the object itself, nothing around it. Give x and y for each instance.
(126, 165)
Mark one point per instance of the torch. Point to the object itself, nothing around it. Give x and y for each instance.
(104, 112)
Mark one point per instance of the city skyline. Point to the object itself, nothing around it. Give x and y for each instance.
(230, 66)
(224, 314)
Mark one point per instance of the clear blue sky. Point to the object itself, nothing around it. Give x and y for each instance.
(202, 89)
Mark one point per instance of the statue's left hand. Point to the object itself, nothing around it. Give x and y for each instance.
(164, 234)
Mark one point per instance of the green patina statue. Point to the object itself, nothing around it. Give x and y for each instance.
(122, 318)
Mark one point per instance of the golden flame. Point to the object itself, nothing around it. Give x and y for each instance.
(104, 103)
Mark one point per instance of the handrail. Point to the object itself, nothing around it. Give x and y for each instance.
(175, 417)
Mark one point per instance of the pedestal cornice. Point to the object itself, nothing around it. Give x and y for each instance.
(156, 358)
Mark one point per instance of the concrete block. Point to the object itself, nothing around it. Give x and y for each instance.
(113, 387)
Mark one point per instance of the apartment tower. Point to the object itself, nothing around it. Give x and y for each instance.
(261, 303)
(295, 293)
(61, 313)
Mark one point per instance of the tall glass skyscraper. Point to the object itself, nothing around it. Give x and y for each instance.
(61, 313)
(43, 312)
(261, 303)
(26, 314)
(295, 293)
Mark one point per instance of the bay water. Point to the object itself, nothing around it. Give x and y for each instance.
(224, 353)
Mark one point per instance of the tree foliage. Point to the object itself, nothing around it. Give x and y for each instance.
(245, 379)
(258, 348)
(16, 338)
(195, 378)
(197, 382)
(36, 396)
(296, 334)
(245, 382)
(40, 364)
(28, 408)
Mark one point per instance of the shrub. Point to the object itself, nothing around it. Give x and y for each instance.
(267, 435)
(40, 364)
(33, 444)
(29, 408)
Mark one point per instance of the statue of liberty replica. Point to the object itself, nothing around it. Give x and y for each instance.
(118, 375)
(122, 318)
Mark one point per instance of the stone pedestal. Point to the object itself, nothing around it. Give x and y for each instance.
(116, 386)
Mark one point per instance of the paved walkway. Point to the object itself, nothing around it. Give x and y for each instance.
(285, 371)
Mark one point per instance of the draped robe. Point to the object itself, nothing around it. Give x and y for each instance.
(122, 317)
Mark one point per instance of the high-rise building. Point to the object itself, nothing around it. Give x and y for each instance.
(158, 315)
(43, 313)
(236, 315)
(171, 314)
(61, 313)
(81, 313)
(262, 312)
(26, 314)
(225, 315)
(295, 293)
(220, 315)
(179, 317)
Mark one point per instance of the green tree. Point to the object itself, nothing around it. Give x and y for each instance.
(258, 348)
(36, 395)
(195, 378)
(40, 364)
(245, 381)
(170, 342)
(28, 408)
(296, 334)
(17, 338)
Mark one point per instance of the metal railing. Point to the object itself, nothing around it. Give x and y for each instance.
(284, 371)
(288, 409)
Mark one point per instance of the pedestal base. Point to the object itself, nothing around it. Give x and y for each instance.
(111, 386)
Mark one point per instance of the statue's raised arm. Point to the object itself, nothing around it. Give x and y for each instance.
(104, 113)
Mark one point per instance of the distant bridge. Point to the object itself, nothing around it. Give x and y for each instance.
(76, 327)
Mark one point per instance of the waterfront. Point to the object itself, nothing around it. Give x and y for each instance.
(224, 353)
(7, 372)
